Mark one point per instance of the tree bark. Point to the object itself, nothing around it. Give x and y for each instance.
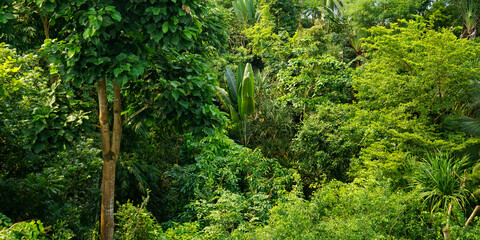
(46, 26)
(110, 154)
(446, 230)
(470, 219)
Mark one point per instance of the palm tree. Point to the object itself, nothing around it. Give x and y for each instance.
(440, 185)
(469, 10)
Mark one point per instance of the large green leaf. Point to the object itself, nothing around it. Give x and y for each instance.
(247, 91)
(224, 96)
(240, 72)
(250, 7)
(237, 9)
(232, 84)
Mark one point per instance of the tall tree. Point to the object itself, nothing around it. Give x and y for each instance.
(109, 43)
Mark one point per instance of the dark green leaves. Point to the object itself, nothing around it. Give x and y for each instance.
(157, 10)
(4, 17)
(231, 82)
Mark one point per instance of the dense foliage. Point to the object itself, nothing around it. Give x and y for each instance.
(241, 119)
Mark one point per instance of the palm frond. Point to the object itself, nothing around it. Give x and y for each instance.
(437, 180)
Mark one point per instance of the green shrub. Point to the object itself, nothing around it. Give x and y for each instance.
(326, 143)
(185, 231)
(136, 223)
(364, 209)
(229, 187)
(67, 189)
(308, 81)
(35, 230)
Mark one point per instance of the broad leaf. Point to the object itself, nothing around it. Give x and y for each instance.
(247, 92)
(232, 84)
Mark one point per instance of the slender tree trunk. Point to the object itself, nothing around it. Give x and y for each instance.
(446, 230)
(110, 154)
(245, 131)
(46, 26)
(470, 219)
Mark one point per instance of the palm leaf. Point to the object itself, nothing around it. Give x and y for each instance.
(470, 125)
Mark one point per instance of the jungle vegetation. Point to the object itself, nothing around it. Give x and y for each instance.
(239, 119)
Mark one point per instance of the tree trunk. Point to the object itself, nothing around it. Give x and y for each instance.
(110, 154)
(446, 230)
(46, 26)
(470, 219)
(245, 142)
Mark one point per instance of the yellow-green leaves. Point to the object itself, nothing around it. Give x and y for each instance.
(426, 73)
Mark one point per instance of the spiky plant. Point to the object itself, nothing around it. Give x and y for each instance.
(469, 10)
(246, 10)
(439, 182)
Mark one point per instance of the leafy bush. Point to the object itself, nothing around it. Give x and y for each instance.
(38, 110)
(67, 189)
(364, 209)
(271, 130)
(135, 222)
(34, 230)
(229, 187)
(325, 144)
(309, 81)
(25, 230)
(425, 73)
(265, 43)
(309, 41)
(178, 98)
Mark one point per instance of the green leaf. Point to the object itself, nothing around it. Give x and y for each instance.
(175, 95)
(228, 101)
(156, 11)
(240, 72)
(5, 17)
(71, 52)
(157, 36)
(117, 71)
(88, 32)
(122, 80)
(184, 104)
(173, 27)
(38, 147)
(137, 71)
(50, 7)
(116, 16)
(247, 92)
(165, 27)
(175, 40)
(69, 136)
(209, 131)
(97, 22)
(187, 35)
(110, 8)
(232, 84)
